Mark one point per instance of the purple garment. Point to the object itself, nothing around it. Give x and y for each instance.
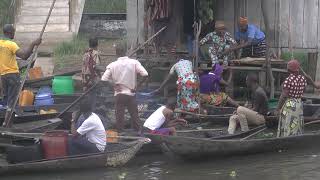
(211, 82)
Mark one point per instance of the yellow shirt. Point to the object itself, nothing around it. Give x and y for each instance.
(8, 62)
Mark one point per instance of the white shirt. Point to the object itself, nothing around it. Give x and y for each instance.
(123, 73)
(156, 120)
(94, 131)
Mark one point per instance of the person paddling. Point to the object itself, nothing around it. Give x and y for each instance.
(9, 70)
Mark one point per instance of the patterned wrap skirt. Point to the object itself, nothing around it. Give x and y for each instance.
(216, 99)
(256, 50)
(291, 120)
(187, 92)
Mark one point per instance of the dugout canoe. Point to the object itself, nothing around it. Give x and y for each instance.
(116, 154)
(218, 147)
(221, 115)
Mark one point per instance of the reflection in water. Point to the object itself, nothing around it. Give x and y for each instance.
(273, 166)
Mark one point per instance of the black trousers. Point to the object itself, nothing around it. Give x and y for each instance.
(80, 145)
(10, 84)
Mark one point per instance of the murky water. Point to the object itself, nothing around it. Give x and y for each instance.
(272, 166)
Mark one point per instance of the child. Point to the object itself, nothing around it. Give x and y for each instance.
(162, 121)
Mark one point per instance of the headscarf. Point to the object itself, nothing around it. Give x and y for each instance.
(243, 20)
(293, 65)
(219, 25)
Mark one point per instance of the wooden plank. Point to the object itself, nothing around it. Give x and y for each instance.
(228, 11)
(219, 10)
(284, 13)
(310, 33)
(297, 8)
(318, 47)
(240, 68)
(254, 12)
(272, 20)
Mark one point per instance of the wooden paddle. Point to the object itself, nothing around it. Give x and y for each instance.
(202, 115)
(253, 134)
(9, 113)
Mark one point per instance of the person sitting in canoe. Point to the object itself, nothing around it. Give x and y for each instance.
(210, 91)
(254, 115)
(187, 85)
(88, 133)
(162, 121)
(290, 106)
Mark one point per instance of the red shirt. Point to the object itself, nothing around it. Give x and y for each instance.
(295, 84)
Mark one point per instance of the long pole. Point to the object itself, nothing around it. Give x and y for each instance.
(7, 121)
(95, 85)
(147, 41)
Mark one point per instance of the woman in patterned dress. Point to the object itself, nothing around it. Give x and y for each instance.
(187, 85)
(221, 44)
(290, 105)
(210, 90)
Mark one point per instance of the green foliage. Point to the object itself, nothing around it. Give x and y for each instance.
(205, 11)
(301, 56)
(105, 6)
(5, 12)
(74, 47)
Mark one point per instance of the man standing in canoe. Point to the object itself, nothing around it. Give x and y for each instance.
(9, 69)
(122, 74)
(254, 115)
(162, 121)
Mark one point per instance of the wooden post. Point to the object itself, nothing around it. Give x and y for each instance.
(312, 65)
(268, 61)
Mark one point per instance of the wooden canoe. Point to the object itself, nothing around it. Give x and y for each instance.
(198, 148)
(222, 114)
(117, 154)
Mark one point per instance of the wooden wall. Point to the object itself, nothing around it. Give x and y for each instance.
(305, 22)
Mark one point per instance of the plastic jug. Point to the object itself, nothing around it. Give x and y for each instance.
(26, 98)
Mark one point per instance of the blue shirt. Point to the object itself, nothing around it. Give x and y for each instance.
(253, 33)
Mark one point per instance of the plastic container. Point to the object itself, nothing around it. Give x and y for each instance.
(55, 144)
(26, 98)
(63, 85)
(111, 136)
(35, 73)
(43, 100)
(45, 90)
